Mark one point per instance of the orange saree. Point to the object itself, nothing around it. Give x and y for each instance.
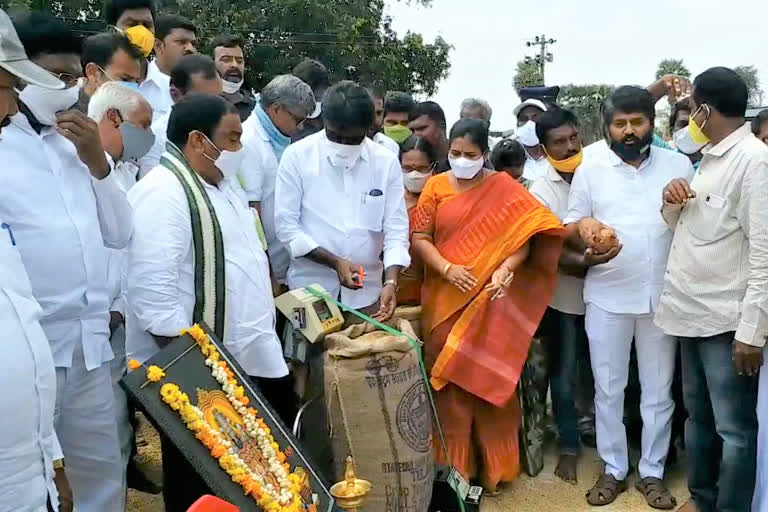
(409, 292)
(475, 349)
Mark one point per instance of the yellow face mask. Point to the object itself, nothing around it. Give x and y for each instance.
(697, 134)
(142, 37)
(569, 165)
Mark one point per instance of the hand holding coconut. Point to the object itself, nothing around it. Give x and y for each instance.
(601, 241)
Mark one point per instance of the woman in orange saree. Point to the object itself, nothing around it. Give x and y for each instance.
(418, 159)
(491, 253)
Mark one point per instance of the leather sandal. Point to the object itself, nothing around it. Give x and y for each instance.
(606, 490)
(656, 493)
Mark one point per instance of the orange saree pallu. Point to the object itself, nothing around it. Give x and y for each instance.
(476, 347)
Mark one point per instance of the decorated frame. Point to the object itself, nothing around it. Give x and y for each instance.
(197, 394)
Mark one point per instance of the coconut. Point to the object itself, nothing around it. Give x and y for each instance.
(604, 241)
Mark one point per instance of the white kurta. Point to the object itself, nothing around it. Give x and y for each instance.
(62, 218)
(156, 89)
(28, 443)
(160, 275)
(322, 206)
(257, 176)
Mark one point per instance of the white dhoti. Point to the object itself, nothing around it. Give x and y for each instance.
(610, 342)
(87, 430)
(760, 499)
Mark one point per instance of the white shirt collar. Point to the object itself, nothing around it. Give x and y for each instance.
(156, 76)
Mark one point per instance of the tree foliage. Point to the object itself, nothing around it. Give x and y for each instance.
(585, 101)
(353, 38)
(528, 75)
(672, 67)
(751, 78)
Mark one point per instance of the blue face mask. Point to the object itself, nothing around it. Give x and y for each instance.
(131, 85)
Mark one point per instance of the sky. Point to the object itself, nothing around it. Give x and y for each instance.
(598, 41)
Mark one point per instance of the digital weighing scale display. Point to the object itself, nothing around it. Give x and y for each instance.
(321, 308)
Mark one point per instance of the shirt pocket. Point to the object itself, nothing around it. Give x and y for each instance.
(711, 213)
(371, 213)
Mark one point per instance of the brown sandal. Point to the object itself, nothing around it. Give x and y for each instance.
(656, 493)
(606, 490)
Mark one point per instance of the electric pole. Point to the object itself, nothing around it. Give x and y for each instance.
(544, 56)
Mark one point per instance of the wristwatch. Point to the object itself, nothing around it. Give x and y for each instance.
(392, 282)
(58, 464)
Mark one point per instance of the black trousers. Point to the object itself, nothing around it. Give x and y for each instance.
(182, 486)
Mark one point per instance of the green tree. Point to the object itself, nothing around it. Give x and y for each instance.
(585, 101)
(528, 75)
(672, 67)
(351, 37)
(751, 78)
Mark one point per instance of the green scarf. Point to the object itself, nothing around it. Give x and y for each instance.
(210, 286)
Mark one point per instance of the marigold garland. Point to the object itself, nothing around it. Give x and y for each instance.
(286, 498)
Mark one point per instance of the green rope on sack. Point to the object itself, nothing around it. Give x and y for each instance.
(416, 344)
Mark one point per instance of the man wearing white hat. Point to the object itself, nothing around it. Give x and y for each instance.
(536, 165)
(29, 448)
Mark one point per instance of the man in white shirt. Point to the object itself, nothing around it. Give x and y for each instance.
(536, 165)
(622, 294)
(191, 74)
(715, 298)
(341, 206)
(203, 156)
(31, 454)
(174, 37)
(65, 207)
(563, 324)
(108, 57)
(283, 105)
(124, 117)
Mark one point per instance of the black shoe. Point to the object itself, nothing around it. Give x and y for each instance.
(141, 482)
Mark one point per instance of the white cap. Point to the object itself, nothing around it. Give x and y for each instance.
(14, 59)
(530, 103)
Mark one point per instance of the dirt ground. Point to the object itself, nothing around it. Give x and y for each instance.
(545, 493)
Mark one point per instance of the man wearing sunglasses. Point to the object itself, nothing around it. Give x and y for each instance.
(61, 197)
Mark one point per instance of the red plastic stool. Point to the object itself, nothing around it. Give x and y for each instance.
(212, 504)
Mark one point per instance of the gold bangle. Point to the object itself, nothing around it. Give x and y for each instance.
(446, 268)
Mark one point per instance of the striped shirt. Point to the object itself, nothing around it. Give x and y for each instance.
(717, 276)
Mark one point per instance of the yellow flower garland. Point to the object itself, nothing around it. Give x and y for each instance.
(287, 497)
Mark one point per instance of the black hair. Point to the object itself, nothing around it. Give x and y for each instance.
(722, 89)
(507, 154)
(314, 74)
(347, 104)
(188, 65)
(228, 41)
(629, 99)
(167, 23)
(414, 143)
(196, 112)
(377, 91)
(551, 119)
(758, 121)
(682, 105)
(397, 101)
(475, 129)
(100, 49)
(41, 33)
(113, 9)
(430, 109)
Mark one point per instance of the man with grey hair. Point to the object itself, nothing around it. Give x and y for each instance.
(476, 108)
(123, 117)
(283, 106)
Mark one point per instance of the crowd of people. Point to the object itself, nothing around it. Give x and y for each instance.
(145, 187)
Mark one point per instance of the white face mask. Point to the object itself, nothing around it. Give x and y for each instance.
(46, 103)
(464, 168)
(527, 134)
(228, 162)
(342, 156)
(231, 87)
(414, 181)
(684, 142)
